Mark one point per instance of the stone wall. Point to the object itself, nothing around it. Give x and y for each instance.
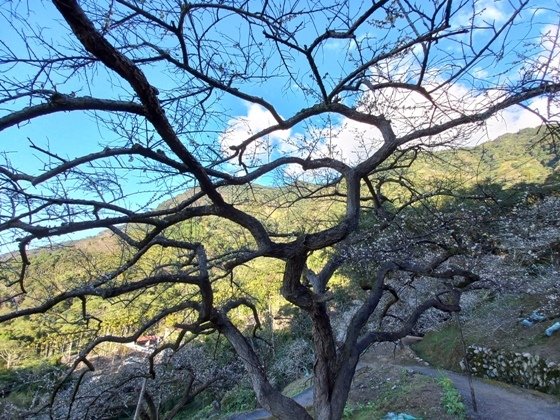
(523, 369)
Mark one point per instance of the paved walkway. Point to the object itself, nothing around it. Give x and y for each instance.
(497, 402)
(494, 402)
(304, 398)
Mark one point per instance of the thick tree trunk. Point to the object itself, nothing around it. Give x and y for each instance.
(330, 393)
(333, 374)
(325, 362)
(342, 384)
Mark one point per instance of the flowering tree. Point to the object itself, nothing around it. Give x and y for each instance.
(116, 387)
(337, 95)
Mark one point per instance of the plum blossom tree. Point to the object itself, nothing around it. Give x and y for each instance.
(143, 101)
(115, 387)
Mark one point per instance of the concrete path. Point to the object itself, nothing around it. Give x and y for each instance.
(304, 398)
(496, 402)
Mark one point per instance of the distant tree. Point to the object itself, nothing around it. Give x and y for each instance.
(338, 94)
(11, 353)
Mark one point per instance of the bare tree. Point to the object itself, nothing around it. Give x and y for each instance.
(162, 81)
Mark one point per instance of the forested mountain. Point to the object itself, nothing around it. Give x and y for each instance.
(529, 156)
(513, 161)
(510, 166)
(318, 202)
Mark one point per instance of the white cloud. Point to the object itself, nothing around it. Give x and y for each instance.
(241, 128)
(543, 66)
(337, 44)
(490, 11)
(548, 62)
(408, 110)
(516, 118)
(485, 12)
(348, 141)
(480, 73)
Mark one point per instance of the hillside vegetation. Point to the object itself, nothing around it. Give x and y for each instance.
(505, 191)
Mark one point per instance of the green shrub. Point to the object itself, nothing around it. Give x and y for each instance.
(237, 399)
(361, 411)
(451, 399)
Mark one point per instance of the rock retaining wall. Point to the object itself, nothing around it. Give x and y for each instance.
(524, 369)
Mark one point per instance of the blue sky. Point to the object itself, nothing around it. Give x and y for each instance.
(81, 134)
(77, 133)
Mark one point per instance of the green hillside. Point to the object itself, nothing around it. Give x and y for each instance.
(514, 162)
(530, 156)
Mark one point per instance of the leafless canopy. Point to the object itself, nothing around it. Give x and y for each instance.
(109, 107)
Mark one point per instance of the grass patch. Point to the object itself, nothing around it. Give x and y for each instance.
(237, 400)
(20, 386)
(297, 386)
(442, 348)
(413, 394)
(451, 399)
(201, 408)
(365, 411)
(493, 324)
